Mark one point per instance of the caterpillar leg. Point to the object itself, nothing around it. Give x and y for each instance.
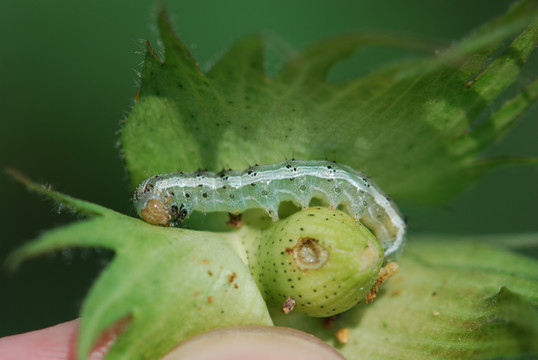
(273, 213)
(234, 220)
(303, 203)
(335, 203)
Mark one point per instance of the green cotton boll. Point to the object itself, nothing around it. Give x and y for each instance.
(322, 258)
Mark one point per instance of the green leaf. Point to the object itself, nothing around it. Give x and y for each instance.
(73, 204)
(454, 298)
(417, 127)
(168, 283)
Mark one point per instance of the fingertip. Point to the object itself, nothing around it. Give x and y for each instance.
(53, 343)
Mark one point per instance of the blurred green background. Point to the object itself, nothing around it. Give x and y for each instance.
(68, 77)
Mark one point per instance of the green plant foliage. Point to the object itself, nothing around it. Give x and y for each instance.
(422, 119)
(170, 281)
(453, 298)
(418, 127)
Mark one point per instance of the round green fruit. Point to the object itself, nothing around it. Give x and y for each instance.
(322, 258)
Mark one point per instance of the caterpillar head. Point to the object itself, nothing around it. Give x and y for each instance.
(159, 207)
(155, 211)
(155, 208)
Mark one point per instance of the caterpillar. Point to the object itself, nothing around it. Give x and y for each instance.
(168, 199)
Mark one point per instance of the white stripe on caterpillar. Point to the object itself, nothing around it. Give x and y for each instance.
(170, 198)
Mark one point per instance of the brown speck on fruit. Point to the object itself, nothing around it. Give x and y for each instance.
(288, 305)
(205, 261)
(385, 273)
(234, 220)
(210, 299)
(231, 277)
(236, 286)
(436, 313)
(342, 335)
(209, 273)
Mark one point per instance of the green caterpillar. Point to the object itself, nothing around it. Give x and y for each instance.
(170, 198)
